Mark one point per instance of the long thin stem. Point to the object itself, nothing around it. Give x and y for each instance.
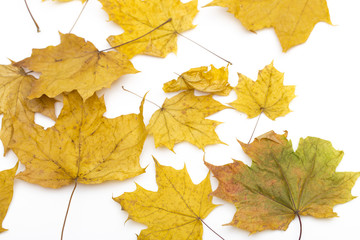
(257, 122)
(204, 48)
(67, 210)
(167, 21)
(77, 19)
(37, 26)
(298, 215)
(211, 229)
(140, 96)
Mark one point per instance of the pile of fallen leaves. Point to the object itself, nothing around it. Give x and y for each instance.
(86, 147)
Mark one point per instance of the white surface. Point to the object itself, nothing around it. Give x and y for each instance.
(324, 70)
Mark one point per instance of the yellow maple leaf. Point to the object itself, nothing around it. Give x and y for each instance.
(6, 192)
(267, 95)
(282, 184)
(15, 87)
(82, 145)
(175, 211)
(213, 81)
(293, 21)
(139, 17)
(182, 118)
(75, 64)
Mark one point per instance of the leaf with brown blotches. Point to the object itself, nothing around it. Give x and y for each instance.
(15, 87)
(293, 21)
(175, 211)
(214, 81)
(138, 17)
(6, 192)
(75, 64)
(281, 184)
(82, 145)
(182, 118)
(267, 95)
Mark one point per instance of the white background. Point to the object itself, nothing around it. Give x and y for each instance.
(324, 70)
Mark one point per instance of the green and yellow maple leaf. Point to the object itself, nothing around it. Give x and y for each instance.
(82, 146)
(6, 192)
(182, 118)
(138, 17)
(267, 95)
(282, 184)
(175, 211)
(293, 21)
(75, 64)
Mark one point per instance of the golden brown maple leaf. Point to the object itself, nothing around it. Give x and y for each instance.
(6, 192)
(213, 81)
(138, 17)
(15, 87)
(267, 94)
(293, 21)
(175, 211)
(182, 118)
(83, 145)
(282, 184)
(75, 64)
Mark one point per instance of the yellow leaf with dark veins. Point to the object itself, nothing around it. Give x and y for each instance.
(82, 145)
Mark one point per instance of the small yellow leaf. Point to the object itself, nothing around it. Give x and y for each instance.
(138, 17)
(175, 211)
(6, 192)
(293, 21)
(267, 94)
(15, 87)
(182, 118)
(83, 145)
(75, 64)
(214, 81)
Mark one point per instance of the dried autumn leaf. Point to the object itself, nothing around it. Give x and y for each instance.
(182, 118)
(293, 21)
(15, 86)
(282, 184)
(75, 64)
(175, 211)
(83, 145)
(138, 17)
(213, 81)
(6, 192)
(267, 94)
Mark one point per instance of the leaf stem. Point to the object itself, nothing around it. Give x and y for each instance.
(211, 229)
(204, 48)
(67, 210)
(77, 19)
(140, 97)
(298, 215)
(257, 122)
(37, 26)
(133, 40)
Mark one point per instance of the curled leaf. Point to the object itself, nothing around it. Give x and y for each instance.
(213, 81)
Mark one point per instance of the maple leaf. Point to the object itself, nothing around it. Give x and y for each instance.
(282, 184)
(75, 64)
(293, 21)
(15, 86)
(82, 145)
(214, 81)
(267, 94)
(175, 211)
(6, 192)
(182, 118)
(138, 17)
